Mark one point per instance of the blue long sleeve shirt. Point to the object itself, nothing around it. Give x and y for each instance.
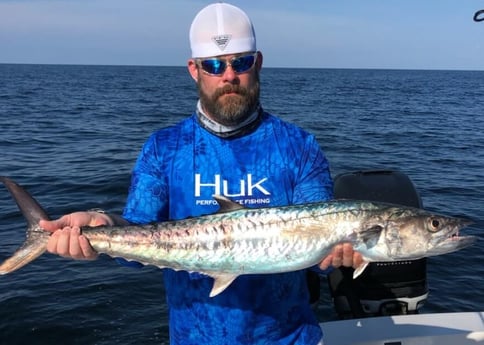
(175, 176)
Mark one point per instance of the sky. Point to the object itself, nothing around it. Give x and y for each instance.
(389, 34)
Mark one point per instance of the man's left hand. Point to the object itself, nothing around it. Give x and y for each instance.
(342, 255)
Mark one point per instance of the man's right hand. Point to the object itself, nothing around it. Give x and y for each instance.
(67, 240)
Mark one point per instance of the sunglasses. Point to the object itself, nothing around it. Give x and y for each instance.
(239, 64)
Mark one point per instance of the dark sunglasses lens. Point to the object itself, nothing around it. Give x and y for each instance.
(243, 63)
(213, 66)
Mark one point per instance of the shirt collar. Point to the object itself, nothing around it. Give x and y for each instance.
(223, 131)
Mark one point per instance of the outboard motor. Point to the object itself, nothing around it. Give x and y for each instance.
(384, 288)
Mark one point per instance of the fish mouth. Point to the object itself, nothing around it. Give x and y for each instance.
(453, 241)
(458, 224)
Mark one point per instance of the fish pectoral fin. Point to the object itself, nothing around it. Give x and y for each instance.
(360, 269)
(221, 282)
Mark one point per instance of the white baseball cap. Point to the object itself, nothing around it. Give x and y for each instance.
(221, 29)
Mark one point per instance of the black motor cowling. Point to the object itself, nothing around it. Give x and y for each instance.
(384, 288)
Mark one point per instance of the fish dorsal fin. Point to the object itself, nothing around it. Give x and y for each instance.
(227, 205)
(221, 282)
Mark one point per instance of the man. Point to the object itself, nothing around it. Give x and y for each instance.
(229, 146)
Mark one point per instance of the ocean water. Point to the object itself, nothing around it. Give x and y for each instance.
(71, 134)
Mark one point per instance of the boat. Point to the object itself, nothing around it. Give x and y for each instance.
(381, 307)
(417, 329)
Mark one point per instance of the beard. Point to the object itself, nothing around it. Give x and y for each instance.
(231, 104)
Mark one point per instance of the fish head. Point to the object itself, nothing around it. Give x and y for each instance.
(399, 233)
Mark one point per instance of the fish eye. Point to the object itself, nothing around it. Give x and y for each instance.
(434, 224)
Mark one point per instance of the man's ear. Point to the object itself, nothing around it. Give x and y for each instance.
(258, 62)
(193, 69)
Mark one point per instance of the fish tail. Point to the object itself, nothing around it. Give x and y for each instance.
(36, 238)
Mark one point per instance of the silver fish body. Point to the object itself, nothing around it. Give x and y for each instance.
(237, 240)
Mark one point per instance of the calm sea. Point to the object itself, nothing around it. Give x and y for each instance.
(71, 134)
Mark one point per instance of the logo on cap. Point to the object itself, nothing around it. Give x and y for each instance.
(221, 41)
